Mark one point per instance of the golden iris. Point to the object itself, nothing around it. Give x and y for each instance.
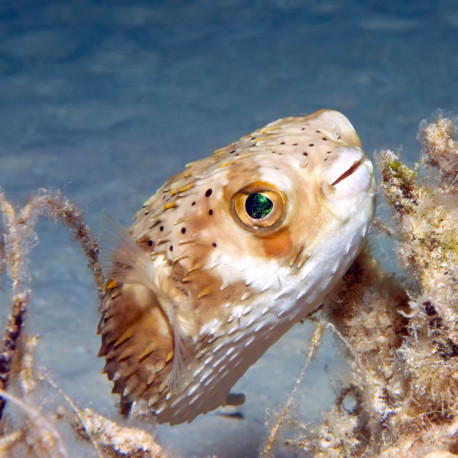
(259, 205)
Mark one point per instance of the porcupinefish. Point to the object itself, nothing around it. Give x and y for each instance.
(226, 257)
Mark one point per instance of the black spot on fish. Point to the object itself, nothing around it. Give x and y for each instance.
(214, 245)
(150, 242)
(210, 212)
(208, 193)
(183, 230)
(161, 228)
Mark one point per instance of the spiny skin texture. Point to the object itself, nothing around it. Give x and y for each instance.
(202, 289)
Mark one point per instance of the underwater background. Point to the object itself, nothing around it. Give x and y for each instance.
(105, 100)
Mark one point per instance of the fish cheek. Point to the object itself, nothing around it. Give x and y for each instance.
(277, 245)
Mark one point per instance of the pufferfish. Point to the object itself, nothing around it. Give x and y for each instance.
(226, 257)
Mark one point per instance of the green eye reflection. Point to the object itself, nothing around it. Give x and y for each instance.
(258, 205)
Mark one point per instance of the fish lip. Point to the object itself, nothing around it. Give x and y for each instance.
(348, 172)
(342, 165)
(355, 182)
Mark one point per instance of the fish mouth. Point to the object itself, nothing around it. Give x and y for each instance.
(347, 173)
(349, 176)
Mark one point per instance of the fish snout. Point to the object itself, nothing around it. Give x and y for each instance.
(348, 175)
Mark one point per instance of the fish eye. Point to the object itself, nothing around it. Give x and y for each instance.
(259, 205)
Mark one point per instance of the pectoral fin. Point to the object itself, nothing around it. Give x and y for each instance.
(123, 261)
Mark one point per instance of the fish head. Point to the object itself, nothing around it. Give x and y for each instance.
(228, 255)
(292, 182)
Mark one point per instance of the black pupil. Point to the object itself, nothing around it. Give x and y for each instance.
(258, 205)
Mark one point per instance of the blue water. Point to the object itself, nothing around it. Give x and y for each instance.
(106, 99)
